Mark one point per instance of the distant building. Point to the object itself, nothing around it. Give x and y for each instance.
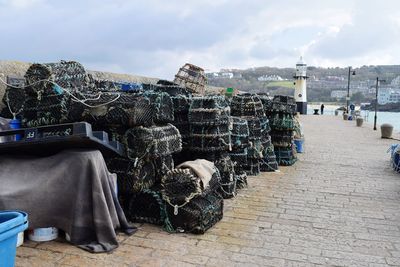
(338, 93)
(270, 78)
(388, 95)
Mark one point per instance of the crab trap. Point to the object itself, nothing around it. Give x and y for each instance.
(199, 215)
(247, 105)
(192, 78)
(285, 156)
(252, 167)
(209, 138)
(152, 142)
(226, 169)
(239, 133)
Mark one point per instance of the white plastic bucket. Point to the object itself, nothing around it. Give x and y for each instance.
(43, 234)
(20, 238)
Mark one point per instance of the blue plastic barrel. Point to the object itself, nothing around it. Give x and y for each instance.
(299, 145)
(11, 223)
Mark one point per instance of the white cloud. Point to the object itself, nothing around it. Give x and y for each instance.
(154, 37)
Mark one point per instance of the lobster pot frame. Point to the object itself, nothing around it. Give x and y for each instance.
(180, 186)
(252, 168)
(269, 162)
(254, 151)
(267, 102)
(199, 215)
(284, 104)
(162, 106)
(206, 138)
(67, 74)
(285, 99)
(285, 156)
(147, 206)
(395, 157)
(192, 78)
(152, 142)
(247, 105)
(181, 104)
(14, 101)
(132, 176)
(163, 165)
(255, 127)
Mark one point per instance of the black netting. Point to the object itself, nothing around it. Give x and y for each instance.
(247, 105)
(239, 133)
(281, 138)
(180, 186)
(282, 122)
(171, 88)
(226, 169)
(210, 110)
(241, 179)
(254, 151)
(285, 156)
(133, 175)
(285, 99)
(239, 156)
(209, 138)
(198, 215)
(67, 74)
(181, 104)
(152, 142)
(163, 165)
(147, 206)
(162, 106)
(252, 167)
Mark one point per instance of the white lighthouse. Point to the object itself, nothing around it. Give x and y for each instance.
(300, 92)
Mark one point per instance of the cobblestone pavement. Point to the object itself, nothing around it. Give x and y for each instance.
(339, 205)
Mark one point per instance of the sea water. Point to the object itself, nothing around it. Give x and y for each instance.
(392, 118)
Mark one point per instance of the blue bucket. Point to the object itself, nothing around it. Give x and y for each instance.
(11, 224)
(299, 145)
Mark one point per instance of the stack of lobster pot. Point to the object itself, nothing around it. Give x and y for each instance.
(250, 108)
(210, 137)
(191, 193)
(49, 92)
(150, 141)
(282, 124)
(268, 162)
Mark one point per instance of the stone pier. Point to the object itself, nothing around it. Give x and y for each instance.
(339, 205)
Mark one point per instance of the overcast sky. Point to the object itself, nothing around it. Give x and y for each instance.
(156, 37)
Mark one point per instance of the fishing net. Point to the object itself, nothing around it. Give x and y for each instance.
(192, 78)
(67, 74)
(162, 106)
(284, 104)
(152, 142)
(239, 133)
(209, 110)
(14, 100)
(283, 122)
(163, 165)
(210, 138)
(133, 176)
(252, 167)
(266, 101)
(247, 105)
(181, 104)
(395, 157)
(147, 206)
(180, 186)
(226, 169)
(199, 215)
(285, 156)
(255, 127)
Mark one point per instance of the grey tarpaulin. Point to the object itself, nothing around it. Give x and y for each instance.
(72, 191)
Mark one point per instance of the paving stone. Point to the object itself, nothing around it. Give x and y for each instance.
(339, 205)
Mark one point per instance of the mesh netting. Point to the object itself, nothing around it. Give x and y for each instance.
(395, 157)
(252, 168)
(268, 162)
(255, 127)
(210, 110)
(209, 138)
(285, 156)
(198, 215)
(281, 138)
(181, 103)
(133, 176)
(147, 206)
(284, 104)
(67, 74)
(180, 186)
(239, 133)
(152, 142)
(192, 78)
(226, 169)
(239, 156)
(171, 88)
(284, 99)
(162, 106)
(254, 151)
(241, 179)
(163, 165)
(247, 105)
(266, 101)
(282, 122)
